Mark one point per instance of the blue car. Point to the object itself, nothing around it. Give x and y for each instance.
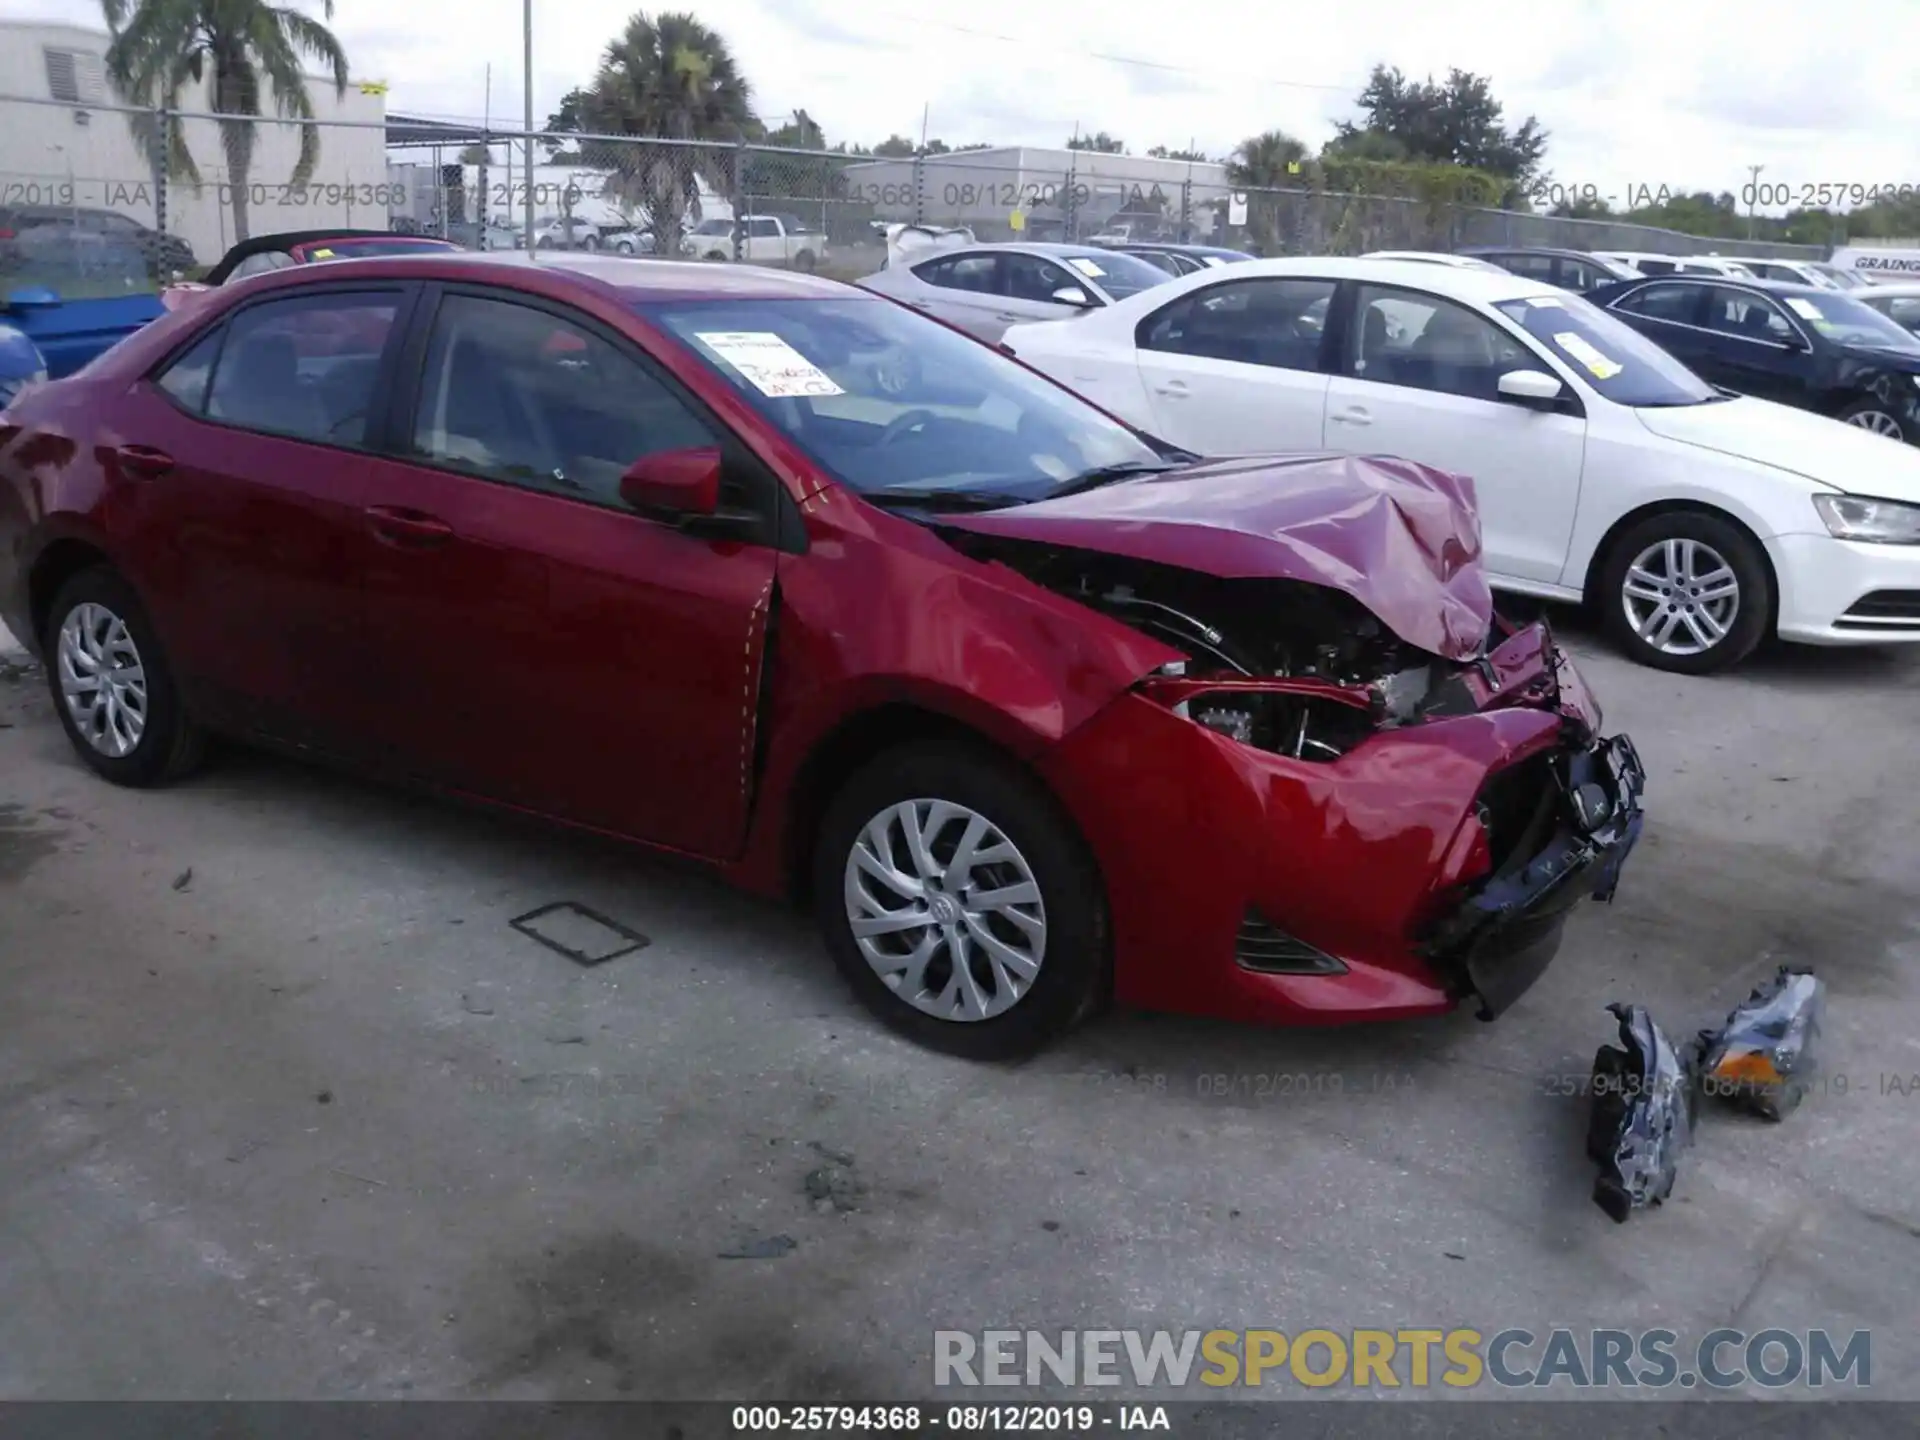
(74, 301)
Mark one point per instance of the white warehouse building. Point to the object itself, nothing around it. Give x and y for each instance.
(59, 146)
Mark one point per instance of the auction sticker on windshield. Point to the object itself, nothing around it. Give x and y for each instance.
(1805, 309)
(768, 363)
(1086, 267)
(1576, 345)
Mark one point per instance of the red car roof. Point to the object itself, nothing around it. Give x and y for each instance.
(633, 277)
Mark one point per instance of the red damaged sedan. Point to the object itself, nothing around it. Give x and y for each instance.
(1034, 711)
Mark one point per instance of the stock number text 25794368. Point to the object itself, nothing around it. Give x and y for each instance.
(315, 193)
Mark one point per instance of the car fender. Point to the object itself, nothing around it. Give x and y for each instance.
(980, 647)
(1627, 474)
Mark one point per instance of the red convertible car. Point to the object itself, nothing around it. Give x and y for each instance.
(1035, 711)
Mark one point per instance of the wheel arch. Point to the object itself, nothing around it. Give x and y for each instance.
(856, 740)
(1603, 552)
(56, 564)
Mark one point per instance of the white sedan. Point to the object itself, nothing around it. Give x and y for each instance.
(1695, 520)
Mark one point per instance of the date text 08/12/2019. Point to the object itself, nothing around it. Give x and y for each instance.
(895, 1419)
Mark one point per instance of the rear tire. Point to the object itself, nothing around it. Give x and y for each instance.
(112, 685)
(1686, 592)
(806, 261)
(1029, 916)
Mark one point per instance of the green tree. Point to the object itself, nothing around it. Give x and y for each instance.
(1102, 144)
(1265, 162)
(1161, 152)
(666, 79)
(254, 52)
(1455, 122)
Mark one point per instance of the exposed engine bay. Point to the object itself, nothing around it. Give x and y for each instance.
(1344, 674)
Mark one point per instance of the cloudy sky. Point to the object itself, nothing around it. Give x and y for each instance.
(1685, 93)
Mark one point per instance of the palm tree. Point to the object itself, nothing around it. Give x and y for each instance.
(1264, 163)
(1261, 162)
(670, 79)
(254, 50)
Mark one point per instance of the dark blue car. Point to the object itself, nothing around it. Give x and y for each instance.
(1814, 349)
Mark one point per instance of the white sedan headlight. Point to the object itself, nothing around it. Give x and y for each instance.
(1860, 517)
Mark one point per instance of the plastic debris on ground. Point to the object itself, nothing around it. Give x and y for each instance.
(1642, 1118)
(1764, 1058)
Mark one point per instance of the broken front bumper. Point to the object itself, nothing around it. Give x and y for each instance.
(1568, 846)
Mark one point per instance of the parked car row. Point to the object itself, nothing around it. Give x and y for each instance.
(1695, 520)
(619, 546)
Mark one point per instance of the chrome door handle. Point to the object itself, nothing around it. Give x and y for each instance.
(1354, 416)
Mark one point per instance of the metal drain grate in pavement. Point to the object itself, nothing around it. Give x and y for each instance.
(584, 936)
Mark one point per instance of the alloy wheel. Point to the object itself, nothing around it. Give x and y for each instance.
(1879, 422)
(945, 909)
(1680, 596)
(102, 679)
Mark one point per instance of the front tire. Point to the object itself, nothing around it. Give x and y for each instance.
(1874, 416)
(960, 903)
(112, 685)
(1687, 592)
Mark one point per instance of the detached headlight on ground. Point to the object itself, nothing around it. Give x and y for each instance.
(1860, 517)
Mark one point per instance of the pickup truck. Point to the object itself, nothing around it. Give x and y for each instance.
(768, 240)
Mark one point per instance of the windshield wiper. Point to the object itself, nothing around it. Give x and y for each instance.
(1108, 474)
(892, 498)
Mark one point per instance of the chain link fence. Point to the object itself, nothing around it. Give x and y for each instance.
(86, 209)
(831, 211)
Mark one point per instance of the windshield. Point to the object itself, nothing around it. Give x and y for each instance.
(713, 227)
(1116, 272)
(1619, 362)
(1845, 279)
(884, 398)
(1846, 321)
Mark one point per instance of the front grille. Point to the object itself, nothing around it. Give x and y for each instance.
(1263, 946)
(1882, 607)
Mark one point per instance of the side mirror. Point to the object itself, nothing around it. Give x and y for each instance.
(686, 482)
(1072, 295)
(1533, 388)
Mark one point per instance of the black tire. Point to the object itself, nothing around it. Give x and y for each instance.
(1749, 623)
(171, 744)
(1869, 405)
(806, 261)
(1074, 965)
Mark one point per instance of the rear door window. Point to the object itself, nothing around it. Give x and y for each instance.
(306, 367)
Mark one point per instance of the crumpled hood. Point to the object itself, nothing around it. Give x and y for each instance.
(1808, 444)
(1401, 538)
